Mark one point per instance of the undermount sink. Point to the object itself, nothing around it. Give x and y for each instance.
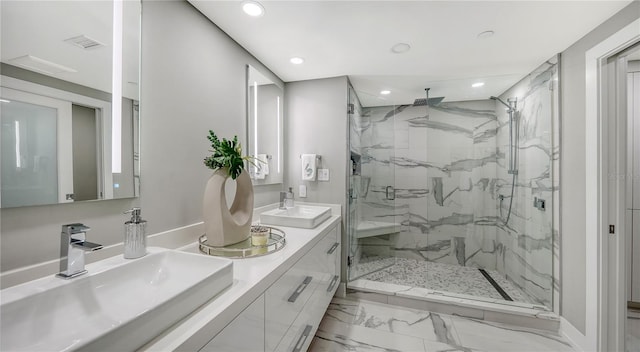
(304, 216)
(118, 306)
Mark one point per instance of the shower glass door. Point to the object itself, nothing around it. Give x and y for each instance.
(372, 221)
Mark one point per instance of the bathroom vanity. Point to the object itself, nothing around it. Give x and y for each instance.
(177, 298)
(275, 303)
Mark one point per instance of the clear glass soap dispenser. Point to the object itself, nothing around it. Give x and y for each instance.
(135, 235)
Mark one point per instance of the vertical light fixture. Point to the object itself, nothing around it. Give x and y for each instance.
(18, 157)
(116, 90)
(255, 119)
(278, 129)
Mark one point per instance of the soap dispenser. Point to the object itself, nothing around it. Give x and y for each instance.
(135, 235)
(288, 199)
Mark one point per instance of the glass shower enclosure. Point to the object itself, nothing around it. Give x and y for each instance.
(457, 198)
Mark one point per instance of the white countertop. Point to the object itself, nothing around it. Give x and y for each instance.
(251, 277)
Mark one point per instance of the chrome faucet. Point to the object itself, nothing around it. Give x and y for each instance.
(73, 244)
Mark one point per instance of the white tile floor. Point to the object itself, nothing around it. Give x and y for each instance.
(364, 326)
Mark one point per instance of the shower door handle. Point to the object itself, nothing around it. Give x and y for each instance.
(390, 193)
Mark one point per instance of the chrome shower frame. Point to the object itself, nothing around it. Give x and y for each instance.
(513, 148)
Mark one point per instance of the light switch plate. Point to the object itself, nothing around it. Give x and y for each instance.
(323, 174)
(302, 191)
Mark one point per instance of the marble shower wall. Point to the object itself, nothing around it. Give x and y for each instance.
(445, 179)
(527, 246)
(448, 165)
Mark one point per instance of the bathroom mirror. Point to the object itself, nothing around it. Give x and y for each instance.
(69, 101)
(264, 127)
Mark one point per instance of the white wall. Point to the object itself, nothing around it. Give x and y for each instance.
(572, 165)
(316, 123)
(193, 80)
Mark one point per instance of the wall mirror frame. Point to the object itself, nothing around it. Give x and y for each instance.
(265, 100)
(69, 101)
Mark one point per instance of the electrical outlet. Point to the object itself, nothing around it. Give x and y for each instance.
(302, 191)
(323, 174)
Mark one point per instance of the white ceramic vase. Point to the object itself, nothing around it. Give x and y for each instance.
(224, 225)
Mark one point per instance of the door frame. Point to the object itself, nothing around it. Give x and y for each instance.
(603, 255)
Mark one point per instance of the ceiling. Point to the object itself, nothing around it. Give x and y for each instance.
(40, 28)
(355, 38)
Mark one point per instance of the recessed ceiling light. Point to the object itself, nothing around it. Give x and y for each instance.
(296, 60)
(401, 48)
(5, 101)
(477, 84)
(252, 8)
(385, 92)
(486, 34)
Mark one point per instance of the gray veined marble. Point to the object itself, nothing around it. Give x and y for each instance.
(411, 163)
(458, 110)
(411, 193)
(436, 186)
(470, 164)
(485, 136)
(425, 122)
(358, 325)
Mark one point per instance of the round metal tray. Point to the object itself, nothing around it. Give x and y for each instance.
(245, 249)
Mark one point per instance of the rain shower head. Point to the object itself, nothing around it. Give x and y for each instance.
(423, 101)
(427, 101)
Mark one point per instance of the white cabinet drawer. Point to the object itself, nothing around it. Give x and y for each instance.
(286, 298)
(298, 337)
(325, 255)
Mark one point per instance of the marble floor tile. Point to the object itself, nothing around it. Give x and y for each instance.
(334, 335)
(490, 336)
(363, 326)
(405, 321)
(343, 310)
(432, 346)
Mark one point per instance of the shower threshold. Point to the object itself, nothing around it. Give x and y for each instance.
(497, 310)
(450, 289)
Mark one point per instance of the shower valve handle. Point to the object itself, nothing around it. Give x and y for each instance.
(390, 193)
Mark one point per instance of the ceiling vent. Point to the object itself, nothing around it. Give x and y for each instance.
(84, 42)
(41, 65)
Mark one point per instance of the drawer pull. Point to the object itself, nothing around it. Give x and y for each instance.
(302, 338)
(333, 283)
(301, 287)
(333, 248)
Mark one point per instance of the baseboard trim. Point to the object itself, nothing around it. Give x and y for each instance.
(573, 335)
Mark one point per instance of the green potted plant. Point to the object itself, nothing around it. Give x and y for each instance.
(226, 154)
(227, 225)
